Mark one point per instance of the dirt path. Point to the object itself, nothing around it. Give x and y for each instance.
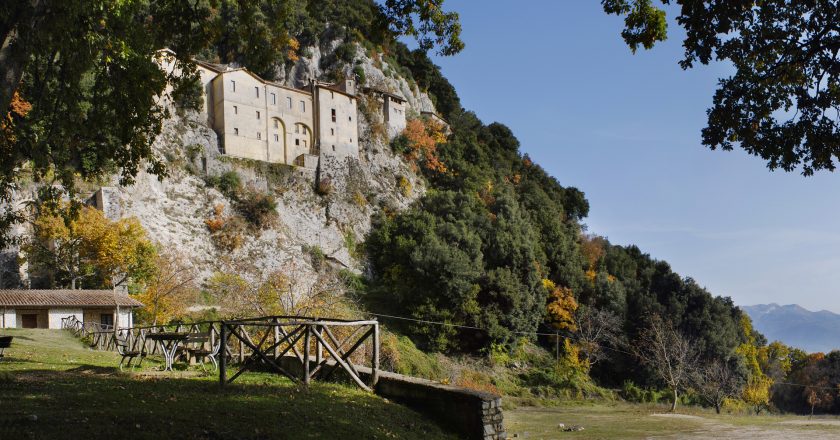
(627, 421)
(782, 430)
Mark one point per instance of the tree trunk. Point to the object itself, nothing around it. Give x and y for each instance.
(13, 51)
(674, 405)
(717, 407)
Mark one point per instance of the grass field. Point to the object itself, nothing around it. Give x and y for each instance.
(632, 421)
(53, 386)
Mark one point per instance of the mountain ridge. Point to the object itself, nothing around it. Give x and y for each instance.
(792, 324)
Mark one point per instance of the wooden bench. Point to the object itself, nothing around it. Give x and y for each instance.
(5, 342)
(128, 352)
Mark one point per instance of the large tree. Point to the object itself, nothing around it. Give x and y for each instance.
(783, 102)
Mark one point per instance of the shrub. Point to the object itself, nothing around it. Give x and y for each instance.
(405, 186)
(257, 208)
(400, 355)
(225, 231)
(228, 183)
(476, 380)
(316, 256)
(217, 221)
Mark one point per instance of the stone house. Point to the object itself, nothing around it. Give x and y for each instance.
(393, 110)
(46, 308)
(264, 120)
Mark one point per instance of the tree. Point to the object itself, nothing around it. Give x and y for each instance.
(782, 102)
(427, 22)
(170, 290)
(669, 353)
(88, 249)
(596, 330)
(715, 381)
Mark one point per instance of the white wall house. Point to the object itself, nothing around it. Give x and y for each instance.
(46, 308)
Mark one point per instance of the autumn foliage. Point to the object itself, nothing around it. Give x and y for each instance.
(422, 137)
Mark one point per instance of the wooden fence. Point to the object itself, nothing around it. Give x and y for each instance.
(321, 346)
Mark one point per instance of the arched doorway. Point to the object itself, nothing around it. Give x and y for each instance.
(277, 141)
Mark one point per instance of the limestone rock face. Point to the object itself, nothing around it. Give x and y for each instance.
(326, 211)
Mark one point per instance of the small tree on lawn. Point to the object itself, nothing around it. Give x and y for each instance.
(668, 353)
(716, 381)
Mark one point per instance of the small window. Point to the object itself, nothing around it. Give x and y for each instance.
(297, 141)
(236, 131)
(232, 85)
(297, 128)
(273, 99)
(351, 140)
(235, 110)
(304, 143)
(276, 138)
(333, 147)
(257, 91)
(332, 95)
(332, 131)
(289, 99)
(333, 115)
(259, 135)
(303, 106)
(349, 118)
(258, 115)
(276, 124)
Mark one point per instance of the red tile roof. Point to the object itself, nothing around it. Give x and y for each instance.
(66, 298)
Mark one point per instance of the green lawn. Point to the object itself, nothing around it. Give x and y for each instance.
(619, 420)
(53, 386)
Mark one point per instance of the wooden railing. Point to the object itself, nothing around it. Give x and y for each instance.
(320, 346)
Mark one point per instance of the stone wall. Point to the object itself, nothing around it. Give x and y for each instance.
(472, 414)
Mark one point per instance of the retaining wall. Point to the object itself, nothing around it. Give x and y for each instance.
(472, 414)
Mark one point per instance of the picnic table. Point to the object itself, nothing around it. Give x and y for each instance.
(169, 342)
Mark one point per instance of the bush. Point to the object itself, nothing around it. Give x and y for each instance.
(324, 187)
(400, 355)
(316, 256)
(257, 208)
(228, 183)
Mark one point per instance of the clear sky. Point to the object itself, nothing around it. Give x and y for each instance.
(625, 129)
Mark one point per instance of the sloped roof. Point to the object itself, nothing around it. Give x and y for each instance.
(66, 298)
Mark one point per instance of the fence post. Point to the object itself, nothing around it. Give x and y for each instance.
(306, 355)
(319, 350)
(276, 338)
(375, 366)
(222, 356)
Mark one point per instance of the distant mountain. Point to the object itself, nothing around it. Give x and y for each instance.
(796, 326)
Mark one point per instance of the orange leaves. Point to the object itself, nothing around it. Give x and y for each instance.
(217, 221)
(423, 136)
(292, 52)
(561, 306)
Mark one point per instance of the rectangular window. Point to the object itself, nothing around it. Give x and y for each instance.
(290, 102)
(235, 110)
(297, 141)
(332, 95)
(273, 99)
(276, 138)
(276, 124)
(258, 115)
(349, 118)
(259, 135)
(332, 131)
(333, 115)
(232, 86)
(257, 91)
(297, 128)
(303, 106)
(236, 131)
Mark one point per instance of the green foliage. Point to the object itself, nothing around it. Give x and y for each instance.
(400, 355)
(188, 95)
(229, 183)
(316, 256)
(781, 103)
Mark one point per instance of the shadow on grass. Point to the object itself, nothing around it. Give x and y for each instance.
(94, 402)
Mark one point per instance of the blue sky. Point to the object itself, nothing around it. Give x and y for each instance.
(625, 129)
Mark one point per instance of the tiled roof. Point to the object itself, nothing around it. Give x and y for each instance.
(62, 298)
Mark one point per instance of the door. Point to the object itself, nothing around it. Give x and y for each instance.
(29, 320)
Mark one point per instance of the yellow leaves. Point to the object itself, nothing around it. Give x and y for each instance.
(292, 52)
(111, 250)
(757, 392)
(561, 306)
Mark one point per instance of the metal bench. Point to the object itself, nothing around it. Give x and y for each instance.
(195, 345)
(128, 352)
(5, 342)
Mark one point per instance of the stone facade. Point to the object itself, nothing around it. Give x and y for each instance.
(267, 121)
